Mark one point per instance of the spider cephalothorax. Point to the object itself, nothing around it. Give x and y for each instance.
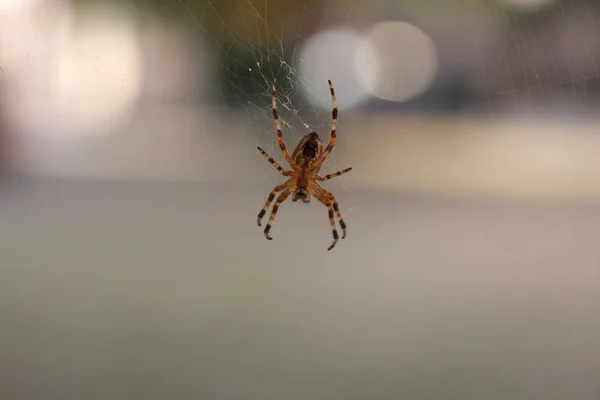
(301, 194)
(306, 161)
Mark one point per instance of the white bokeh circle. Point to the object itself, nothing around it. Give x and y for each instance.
(16, 5)
(332, 55)
(397, 61)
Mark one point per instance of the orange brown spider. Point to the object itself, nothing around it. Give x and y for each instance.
(306, 161)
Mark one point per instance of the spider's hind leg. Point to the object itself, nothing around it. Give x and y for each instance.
(334, 117)
(282, 145)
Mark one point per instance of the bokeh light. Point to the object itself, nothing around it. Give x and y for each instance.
(405, 59)
(7, 6)
(83, 77)
(332, 55)
(100, 71)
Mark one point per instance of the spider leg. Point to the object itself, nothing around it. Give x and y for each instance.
(322, 197)
(327, 177)
(269, 159)
(279, 200)
(277, 188)
(334, 115)
(336, 207)
(279, 133)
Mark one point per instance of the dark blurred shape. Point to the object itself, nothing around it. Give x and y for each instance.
(456, 94)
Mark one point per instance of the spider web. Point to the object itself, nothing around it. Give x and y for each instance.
(256, 49)
(507, 57)
(493, 57)
(249, 67)
(483, 58)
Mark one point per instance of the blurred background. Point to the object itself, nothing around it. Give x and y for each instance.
(131, 264)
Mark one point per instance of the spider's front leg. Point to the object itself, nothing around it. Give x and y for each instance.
(326, 197)
(279, 200)
(323, 198)
(277, 188)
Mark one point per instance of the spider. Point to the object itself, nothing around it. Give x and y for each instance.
(306, 161)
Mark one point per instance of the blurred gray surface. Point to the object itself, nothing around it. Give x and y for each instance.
(154, 291)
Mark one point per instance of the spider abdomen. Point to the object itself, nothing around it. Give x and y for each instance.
(308, 149)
